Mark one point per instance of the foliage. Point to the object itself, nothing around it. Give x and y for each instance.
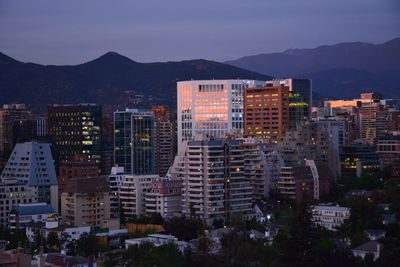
(184, 228)
(87, 245)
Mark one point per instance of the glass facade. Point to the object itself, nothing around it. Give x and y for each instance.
(134, 141)
(211, 107)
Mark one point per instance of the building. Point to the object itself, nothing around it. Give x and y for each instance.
(329, 217)
(211, 107)
(309, 141)
(30, 129)
(43, 229)
(32, 163)
(15, 258)
(164, 138)
(157, 240)
(22, 215)
(214, 182)
(388, 148)
(132, 194)
(134, 141)
(75, 130)
(86, 202)
(300, 99)
(365, 98)
(358, 158)
(9, 115)
(80, 166)
(262, 164)
(266, 112)
(164, 197)
(115, 180)
(374, 121)
(13, 193)
(309, 182)
(371, 247)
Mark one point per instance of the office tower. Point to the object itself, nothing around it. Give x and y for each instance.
(358, 158)
(78, 167)
(86, 202)
(212, 107)
(388, 148)
(164, 138)
(75, 129)
(13, 192)
(300, 99)
(10, 114)
(266, 112)
(107, 139)
(115, 180)
(31, 163)
(375, 121)
(31, 129)
(214, 182)
(134, 141)
(165, 197)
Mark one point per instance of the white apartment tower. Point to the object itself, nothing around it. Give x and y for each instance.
(212, 107)
(214, 183)
(31, 163)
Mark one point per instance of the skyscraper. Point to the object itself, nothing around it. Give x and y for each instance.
(266, 112)
(300, 99)
(212, 107)
(214, 182)
(134, 141)
(164, 138)
(75, 130)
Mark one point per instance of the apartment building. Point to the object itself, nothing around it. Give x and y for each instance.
(329, 217)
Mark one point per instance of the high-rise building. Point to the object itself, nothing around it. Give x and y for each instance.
(134, 141)
(75, 129)
(86, 202)
(266, 112)
(164, 197)
(132, 193)
(300, 99)
(388, 148)
(262, 164)
(309, 141)
(31, 163)
(10, 114)
(212, 107)
(79, 167)
(164, 138)
(358, 158)
(214, 182)
(31, 129)
(308, 182)
(375, 121)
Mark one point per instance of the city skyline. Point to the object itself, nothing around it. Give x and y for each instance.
(49, 32)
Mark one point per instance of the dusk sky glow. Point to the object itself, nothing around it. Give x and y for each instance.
(72, 32)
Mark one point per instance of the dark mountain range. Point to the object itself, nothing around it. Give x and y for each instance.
(343, 70)
(111, 80)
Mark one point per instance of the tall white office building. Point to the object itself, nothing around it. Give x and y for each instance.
(211, 107)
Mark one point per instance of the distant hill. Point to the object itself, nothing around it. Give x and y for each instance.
(112, 80)
(343, 70)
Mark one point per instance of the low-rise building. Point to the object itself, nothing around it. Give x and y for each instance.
(43, 229)
(23, 214)
(375, 234)
(371, 247)
(157, 240)
(330, 217)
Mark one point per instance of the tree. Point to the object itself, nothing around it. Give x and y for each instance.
(87, 245)
(53, 240)
(183, 228)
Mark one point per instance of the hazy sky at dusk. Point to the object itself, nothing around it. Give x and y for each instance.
(75, 31)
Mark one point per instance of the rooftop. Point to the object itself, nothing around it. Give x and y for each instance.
(33, 208)
(370, 246)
